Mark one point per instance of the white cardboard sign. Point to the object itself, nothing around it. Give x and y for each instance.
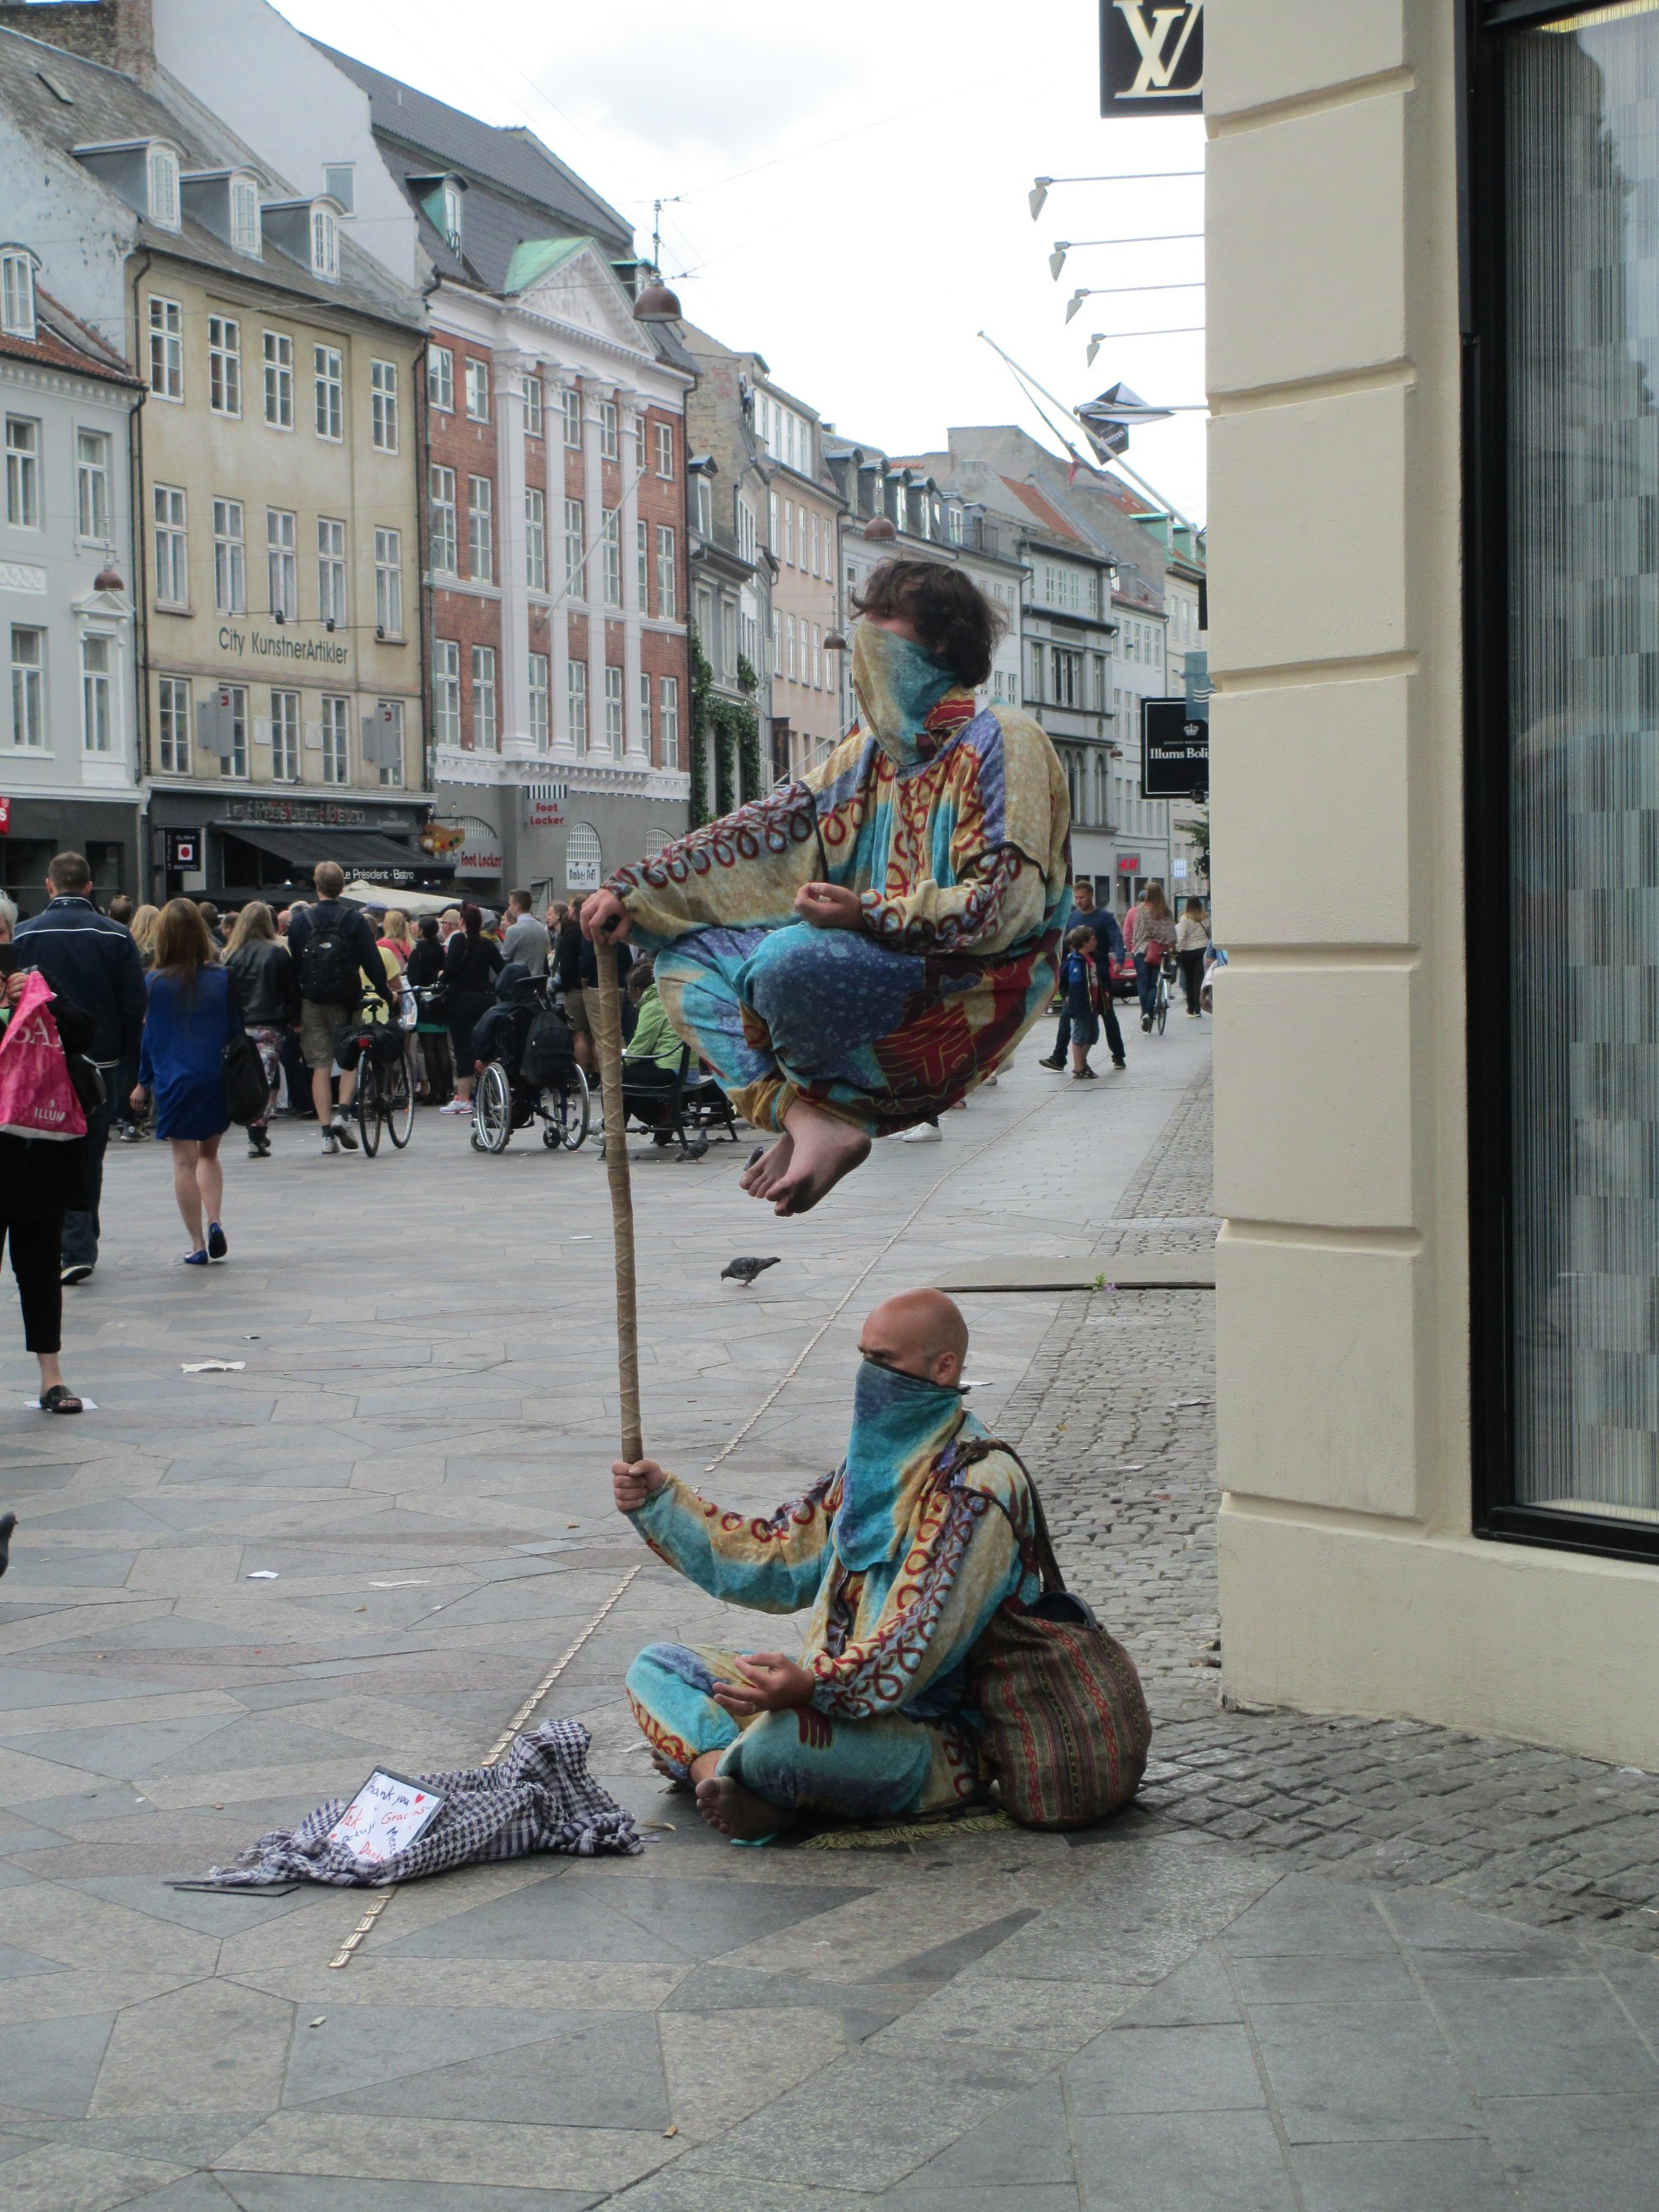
(385, 1817)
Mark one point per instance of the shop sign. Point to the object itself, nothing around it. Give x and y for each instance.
(544, 806)
(1129, 864)
(182, 850)
(1175, 751)
(582, 872)
(326, 651)
(474, 846)
(1151, 57)
(5, 815)
(310, 813)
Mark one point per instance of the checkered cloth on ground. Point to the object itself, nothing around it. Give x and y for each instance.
(540, 1798)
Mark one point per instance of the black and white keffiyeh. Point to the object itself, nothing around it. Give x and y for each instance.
(540, 1798)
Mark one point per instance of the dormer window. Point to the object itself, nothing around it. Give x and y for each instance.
(17, 291)
(324, 244)
(161, 174)
(451, 215)
(245, 216)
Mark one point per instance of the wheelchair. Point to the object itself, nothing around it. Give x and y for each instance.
(530, 1073)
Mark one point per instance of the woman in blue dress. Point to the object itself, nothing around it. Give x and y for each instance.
(192, 1010)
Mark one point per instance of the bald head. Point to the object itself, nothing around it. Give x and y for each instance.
(918, 1333)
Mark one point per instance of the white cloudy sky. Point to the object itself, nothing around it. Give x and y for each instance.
(851, 188)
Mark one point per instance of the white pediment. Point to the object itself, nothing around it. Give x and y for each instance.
(585, 292)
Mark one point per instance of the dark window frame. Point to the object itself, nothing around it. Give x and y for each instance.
(1482, 24)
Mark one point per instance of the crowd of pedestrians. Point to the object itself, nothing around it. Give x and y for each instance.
(1096, 944)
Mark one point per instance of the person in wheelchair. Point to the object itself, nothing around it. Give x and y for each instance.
(652, 1060)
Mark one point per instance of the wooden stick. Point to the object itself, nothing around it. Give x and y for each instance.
(622, 1201)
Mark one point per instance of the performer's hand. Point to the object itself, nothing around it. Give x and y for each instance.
(605, 919)
(772, 1683)
(632, 1485)
(826, 906)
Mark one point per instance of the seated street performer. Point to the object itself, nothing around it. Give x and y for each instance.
(903, 1555)
(852, 953)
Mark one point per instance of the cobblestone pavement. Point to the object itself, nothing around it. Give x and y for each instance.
(1160, 2013)
(1118, 1409)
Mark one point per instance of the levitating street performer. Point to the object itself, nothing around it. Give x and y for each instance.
(903, 1556)
(852, 953)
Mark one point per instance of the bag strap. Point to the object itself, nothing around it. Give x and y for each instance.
(981, 1448)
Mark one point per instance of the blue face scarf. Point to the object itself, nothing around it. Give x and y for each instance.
(894, 1418)
(897, 684)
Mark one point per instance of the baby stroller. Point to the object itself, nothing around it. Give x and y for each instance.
(530, 1073)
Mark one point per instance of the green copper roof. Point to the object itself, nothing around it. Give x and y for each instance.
(533, 259)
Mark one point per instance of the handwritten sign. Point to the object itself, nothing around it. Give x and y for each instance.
(384, 1818)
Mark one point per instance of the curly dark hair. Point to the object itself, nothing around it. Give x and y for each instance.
(953, 618)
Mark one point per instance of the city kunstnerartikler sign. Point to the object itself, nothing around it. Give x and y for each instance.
(1151, 57)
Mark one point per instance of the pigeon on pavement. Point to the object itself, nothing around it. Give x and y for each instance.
(745, 1271)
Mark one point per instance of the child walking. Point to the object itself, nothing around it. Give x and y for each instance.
(1081, 983)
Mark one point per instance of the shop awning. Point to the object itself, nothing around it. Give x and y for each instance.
(359, 852)
(380, 897)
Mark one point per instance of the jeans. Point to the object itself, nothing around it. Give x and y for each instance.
(81, 1229)
(1146, 974)
(1108, 1023)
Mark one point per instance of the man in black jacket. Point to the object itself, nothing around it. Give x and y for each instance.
(92, 962)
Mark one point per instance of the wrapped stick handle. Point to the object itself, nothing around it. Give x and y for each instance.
(621, 1198)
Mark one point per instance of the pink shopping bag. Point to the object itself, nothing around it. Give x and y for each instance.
(37, 1098)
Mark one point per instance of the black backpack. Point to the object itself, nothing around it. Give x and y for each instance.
(247, 1095)
(549, 1050)
(329, 972)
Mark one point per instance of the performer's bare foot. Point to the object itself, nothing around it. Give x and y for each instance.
(822, 1149)
(759, 1179)
(737, 1811)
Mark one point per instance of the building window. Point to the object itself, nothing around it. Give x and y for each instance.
(789, 634)
(332, 572)
(773, 514)
(229, 558)
(535, 538)
(481, 527)
(668, 720)
(279, 379)
(571, 401)
(440, 380)
(329, 383)
(747, 540)
(574, 550)
(445, 691)
(484, 726)
(340, 183)
(285, 736)
(704, 508)
(245, 216)
(337, 740)
(532, 403)
(729, 638)
(789, 533)
(477, 390)
(224, 365)
(645, 711)
(389, 717)
(584, 858)
(92, 493)
(576, 702)
(642, 564)
(442, 526)
(388, 592)
(226, 714)
(28, 687)
(818, 658)
(607, 429)
(639, 445)
(610, 540)
(1067, 678)
(22, 473)
(172, 561)
(667, 575)
(815, 542)
(665, 437)
(16, 292)
(383, 398)
(614, 734)
(451, 206)
(162, 172)
(172, 725)
(283, 563)
(325, 245)
(540, 720)
(166, 348)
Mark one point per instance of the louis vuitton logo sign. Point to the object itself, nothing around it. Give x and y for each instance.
(1151, 57)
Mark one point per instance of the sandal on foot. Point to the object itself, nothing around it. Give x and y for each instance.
(217, 1244)
(193, 1258)
(60, 1399)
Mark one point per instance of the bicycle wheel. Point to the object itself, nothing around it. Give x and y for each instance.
(492, 1109)
(367, 1104)
(1163, 1009)
(575, 1110)
(400, 1101)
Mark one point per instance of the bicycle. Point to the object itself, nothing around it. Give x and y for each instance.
(1166, 973)
(386, 1078)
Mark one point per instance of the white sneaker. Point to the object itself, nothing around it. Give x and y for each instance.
(457, 1106)
(925, 1133)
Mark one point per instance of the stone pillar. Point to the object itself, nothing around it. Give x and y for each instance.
(631, 407)
(559, 623)
(513, 677)
(594, 575)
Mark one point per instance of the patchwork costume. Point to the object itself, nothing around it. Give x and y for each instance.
(904, 1555)
(953, 826)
